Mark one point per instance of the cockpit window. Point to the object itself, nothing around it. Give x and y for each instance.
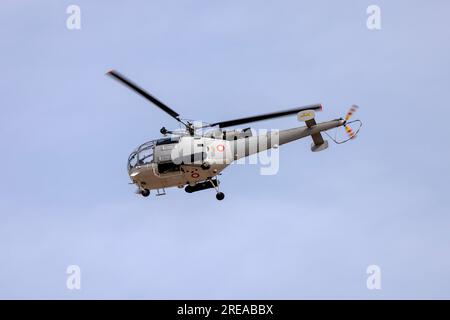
(141, 156)
(145, 156)
(132, 160)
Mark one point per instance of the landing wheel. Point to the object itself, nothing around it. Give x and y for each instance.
(220, 196)
(145, 192)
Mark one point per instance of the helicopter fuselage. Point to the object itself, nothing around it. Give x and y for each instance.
(178, 161)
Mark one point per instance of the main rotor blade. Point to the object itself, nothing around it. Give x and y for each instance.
(116, 75)
(235, 122)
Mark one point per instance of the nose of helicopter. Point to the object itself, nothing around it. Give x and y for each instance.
(134, 174)
(139, 173)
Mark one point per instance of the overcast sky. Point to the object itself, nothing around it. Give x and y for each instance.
(309, 231)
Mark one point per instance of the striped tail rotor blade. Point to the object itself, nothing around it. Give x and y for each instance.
(350, 132)
(351, 112)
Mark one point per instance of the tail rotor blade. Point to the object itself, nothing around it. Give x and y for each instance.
(349, 131)
(352, 110)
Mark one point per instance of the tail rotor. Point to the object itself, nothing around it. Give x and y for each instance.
(351, 134)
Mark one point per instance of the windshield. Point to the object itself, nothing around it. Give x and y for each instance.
(142, 155)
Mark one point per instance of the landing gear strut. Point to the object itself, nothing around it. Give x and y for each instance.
(219, 195)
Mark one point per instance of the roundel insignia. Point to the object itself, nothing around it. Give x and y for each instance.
(220, 147)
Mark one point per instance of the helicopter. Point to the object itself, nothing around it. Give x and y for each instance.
(192, 158)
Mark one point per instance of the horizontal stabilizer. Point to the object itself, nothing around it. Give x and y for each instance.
(319, 147)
